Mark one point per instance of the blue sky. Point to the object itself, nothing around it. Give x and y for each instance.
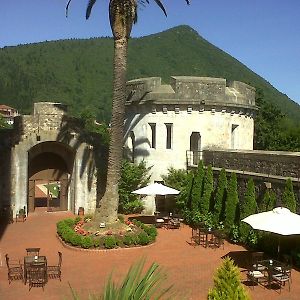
(262, 34)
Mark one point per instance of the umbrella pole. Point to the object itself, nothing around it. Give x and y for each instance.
(278, 248)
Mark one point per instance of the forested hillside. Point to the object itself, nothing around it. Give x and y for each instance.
(79, 72)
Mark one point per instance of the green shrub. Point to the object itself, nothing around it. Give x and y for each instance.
(227, 283)
(128, 240)
(150, 230)
(133, 207)
(69, 222)
(218, 210)
(232, 201)
(96, 243)
(67, 235)
(143, 239)
(76, 240)
(132, 177)
(77, 219)
(248, 207)
(110, 242)
(208, 187)
(87, 242)
(288, 196)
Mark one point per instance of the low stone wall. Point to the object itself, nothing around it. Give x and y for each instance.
(274, 163)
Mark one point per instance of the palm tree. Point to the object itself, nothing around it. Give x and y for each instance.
(122, 15)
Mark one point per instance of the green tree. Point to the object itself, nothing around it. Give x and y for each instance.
(288, 197)
(197, 189)
(3, 123)
(176, 178)
(248, 207)
(132, 177)
(232, 201)
(267, 127)
(122, 16)
(218, 211)
(268, 201)
(227, 283)
(208, 187)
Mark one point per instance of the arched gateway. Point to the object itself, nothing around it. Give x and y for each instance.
(48, 163)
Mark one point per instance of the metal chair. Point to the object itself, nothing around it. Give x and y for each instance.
(15, 270)
(256, 276)
(256, 257)
(282, 277)
(55, 271)
(37, 275)
(33, 251)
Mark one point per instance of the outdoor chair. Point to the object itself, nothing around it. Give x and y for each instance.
(33, 251)
(255, 258)
(55, 270)
(256, 277)
(282, 277)
(217, 241)
(37, 275)
(174, 224)
(15, 270)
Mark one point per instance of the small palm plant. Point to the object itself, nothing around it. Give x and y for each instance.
(135, 286)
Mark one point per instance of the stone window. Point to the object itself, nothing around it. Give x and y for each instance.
(234, 129)
(153, 135)
(169, 136)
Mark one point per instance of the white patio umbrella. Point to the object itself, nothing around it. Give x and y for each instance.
(156, 189)
(280, 220)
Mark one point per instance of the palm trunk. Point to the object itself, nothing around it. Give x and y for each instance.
(108, 209)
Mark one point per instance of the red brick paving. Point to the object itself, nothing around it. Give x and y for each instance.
(189, 268)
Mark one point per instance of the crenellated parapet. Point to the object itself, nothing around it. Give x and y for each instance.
(200, 93)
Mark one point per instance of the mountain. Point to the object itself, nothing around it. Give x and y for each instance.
(79, 72)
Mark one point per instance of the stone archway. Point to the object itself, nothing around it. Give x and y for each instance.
(49, 170)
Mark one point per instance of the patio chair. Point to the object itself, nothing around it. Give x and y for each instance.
(37, 275)
(256, 257)
(14, 270)
(174, 224)
(33, 251)
(256, 277)
(282, 277)
(55, 270)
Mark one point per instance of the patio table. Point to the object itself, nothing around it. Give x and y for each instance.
(30, 260)
(271, 266)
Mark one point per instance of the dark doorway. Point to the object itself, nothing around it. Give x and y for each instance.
(48, 175)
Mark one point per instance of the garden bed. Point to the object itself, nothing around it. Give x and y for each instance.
(87, 234)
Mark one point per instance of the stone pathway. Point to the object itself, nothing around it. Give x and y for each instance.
(189, 268)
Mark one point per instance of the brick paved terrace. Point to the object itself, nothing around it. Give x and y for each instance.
(189, 268)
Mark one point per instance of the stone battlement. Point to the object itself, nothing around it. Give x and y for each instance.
(191, 90)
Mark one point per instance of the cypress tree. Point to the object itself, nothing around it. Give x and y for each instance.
(208, 187)
(268, 201)
(288, 197)
(248, 207)
(218, 211)
(232, 200)
(186, 194)
(197, 189)
(227, 283)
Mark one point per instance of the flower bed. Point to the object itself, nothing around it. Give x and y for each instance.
(85, 234)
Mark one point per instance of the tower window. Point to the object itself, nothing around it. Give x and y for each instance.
(169, 128)
(153, 135)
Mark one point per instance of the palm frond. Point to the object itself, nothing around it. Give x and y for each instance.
(158, 2)
(67, 7)
(89, 8)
